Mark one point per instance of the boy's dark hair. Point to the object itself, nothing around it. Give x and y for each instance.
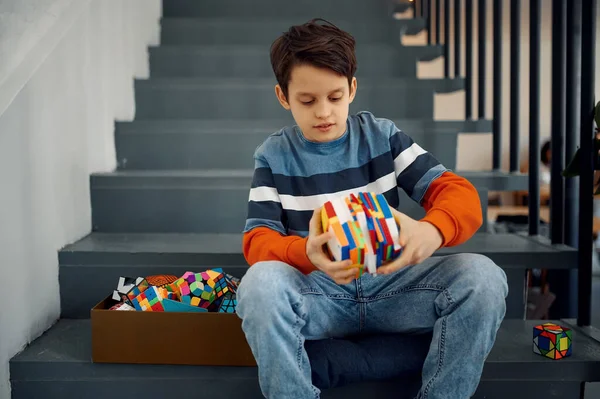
(322, 46)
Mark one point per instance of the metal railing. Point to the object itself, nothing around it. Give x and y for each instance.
(572, 87)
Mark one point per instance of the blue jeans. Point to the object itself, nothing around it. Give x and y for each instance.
(460, 299)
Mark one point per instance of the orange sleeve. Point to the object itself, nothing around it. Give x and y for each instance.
(453, 205)
(263, 243)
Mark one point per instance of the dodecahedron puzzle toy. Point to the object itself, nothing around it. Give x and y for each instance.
(364, 229)
(552, 341)
(202, 289)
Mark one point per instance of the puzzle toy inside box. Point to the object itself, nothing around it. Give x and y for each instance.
(364, 229)
(208, 291)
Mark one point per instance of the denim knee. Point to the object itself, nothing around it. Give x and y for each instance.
(483, 278)
(267, 284)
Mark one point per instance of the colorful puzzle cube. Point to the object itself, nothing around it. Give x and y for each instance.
(552, 341)
(150, 300)
(364, 229)
(136, 291)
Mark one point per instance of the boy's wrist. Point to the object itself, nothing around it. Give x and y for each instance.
(297, 256)
(444, 223)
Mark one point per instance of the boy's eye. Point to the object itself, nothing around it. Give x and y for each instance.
(336, 99)
(307, 102)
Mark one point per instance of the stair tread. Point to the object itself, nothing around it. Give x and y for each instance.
(507, 249)
(249, 172)
(68, 344)
(189, 82)
(170, 48)
(266, 125)
(241, 178)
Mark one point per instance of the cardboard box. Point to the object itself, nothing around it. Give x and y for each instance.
(194, 338)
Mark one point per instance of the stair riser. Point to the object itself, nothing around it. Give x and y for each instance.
(248, 102)
(264, 32)
(249, 389)
(214, 151)
(256, 64)
(77, 299)
(356, 10)
(184, 209)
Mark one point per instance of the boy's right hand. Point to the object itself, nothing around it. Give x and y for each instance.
(338, 271)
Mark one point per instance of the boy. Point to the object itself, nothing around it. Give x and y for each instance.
(294, 292)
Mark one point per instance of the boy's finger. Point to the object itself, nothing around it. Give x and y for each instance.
(347, 279)
(322, 239)
(402, 261)
(315, 222)
(341, 266)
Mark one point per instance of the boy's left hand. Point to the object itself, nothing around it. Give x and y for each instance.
(419, 240)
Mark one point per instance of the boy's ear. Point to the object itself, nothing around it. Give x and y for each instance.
(353, 87)
(281, 97)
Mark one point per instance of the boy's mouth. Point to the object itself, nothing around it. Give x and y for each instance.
(325, 127)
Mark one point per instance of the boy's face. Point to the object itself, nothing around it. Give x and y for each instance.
(319, 100)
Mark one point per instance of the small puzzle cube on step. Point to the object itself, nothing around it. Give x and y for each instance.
(552, 341)
(365, 230)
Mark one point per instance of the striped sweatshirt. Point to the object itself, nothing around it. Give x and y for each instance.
(294, 176)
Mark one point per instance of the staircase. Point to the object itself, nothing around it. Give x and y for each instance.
(178, 198)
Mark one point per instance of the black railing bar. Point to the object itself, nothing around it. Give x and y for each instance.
(437, 22)
(515, 83)
(497, 87)
(573, 125)
(587, 164)
(447, 40)
(557, 202)
(534, 116)
(469, 59)
(457, 38)
(482, 56)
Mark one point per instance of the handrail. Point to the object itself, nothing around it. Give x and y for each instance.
(572, 85)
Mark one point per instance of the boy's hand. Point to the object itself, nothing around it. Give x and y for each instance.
(419, 240)
(338, 271)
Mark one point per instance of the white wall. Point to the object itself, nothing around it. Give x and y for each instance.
(475, 150)
(56, 130)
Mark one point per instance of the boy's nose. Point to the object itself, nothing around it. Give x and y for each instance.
(322, 112)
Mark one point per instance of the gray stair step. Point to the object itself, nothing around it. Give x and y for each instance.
(302, 9)
(263, 31)
(228, 126)
(498, 180)
(518, 251)
(58, 365)
(197, 201)
(103, 258)
(211, 98)
(254, 61)
(187, 145)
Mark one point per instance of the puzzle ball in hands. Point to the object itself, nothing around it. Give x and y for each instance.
(364, 229)
(552, 341)
(208, 291)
